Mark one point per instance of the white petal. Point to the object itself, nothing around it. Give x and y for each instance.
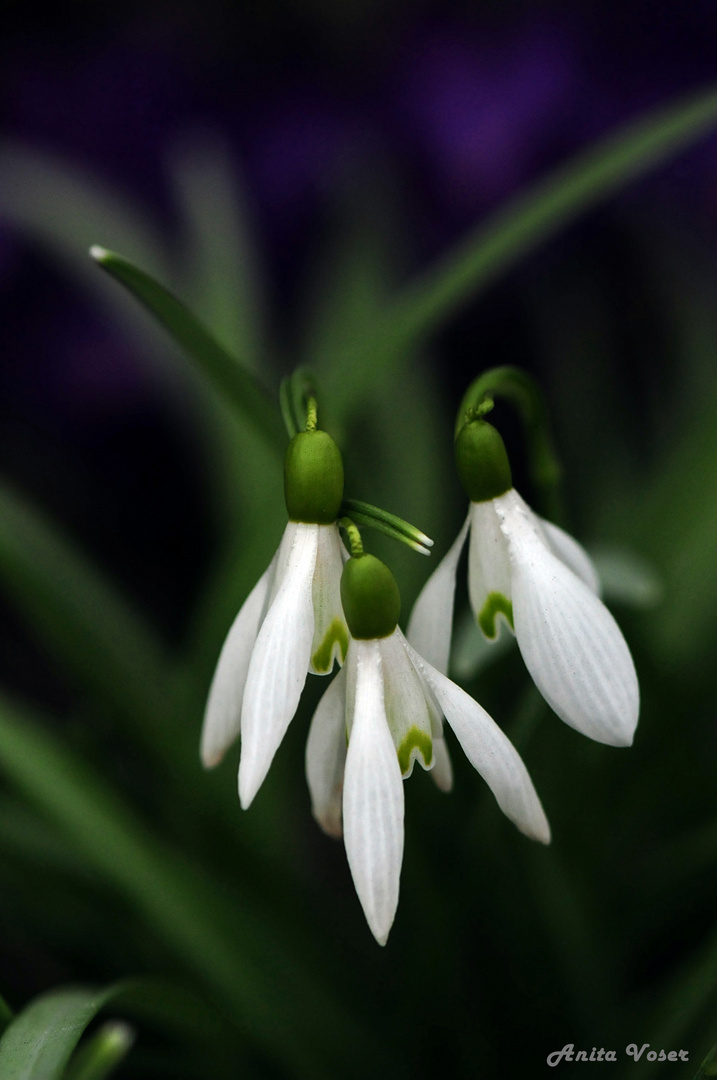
(373, 796)
(278, 666)
(326, 756)
(222, 716)
(573, 554)
(331, 635)
(488, 570)
(570, 642)
(431, 623)
(442, 771)
(490, 752)
(407, 711)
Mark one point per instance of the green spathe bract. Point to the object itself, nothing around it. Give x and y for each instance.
(370, 597)
(482, 461)
(313, 478)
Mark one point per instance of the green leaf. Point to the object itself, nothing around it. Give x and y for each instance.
(67, 208)
(5, 1014)
(220, 939)
(76, 613)
(536, 215)
(237, 385)
(39, 1042)
(708, 1066)
(222, 276)
(102, 1053)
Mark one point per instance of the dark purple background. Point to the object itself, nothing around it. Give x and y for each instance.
(466, 103)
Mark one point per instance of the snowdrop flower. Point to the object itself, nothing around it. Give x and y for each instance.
(388, 704)
(291, 623)
(529, 574)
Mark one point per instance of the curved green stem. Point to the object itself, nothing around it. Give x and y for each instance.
(524, 393)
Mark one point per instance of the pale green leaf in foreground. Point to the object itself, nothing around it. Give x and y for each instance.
(38, 1043)
(225, 372)
(40, 1040)
(102, 1053)
(5, 1014)
(218, 937)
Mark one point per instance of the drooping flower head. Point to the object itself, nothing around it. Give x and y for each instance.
(532, 577)
(291, 623)
(383, 712)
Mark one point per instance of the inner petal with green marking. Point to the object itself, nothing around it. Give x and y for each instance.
(415, 742)
(407, 711)
(333, 645)
(496, 604)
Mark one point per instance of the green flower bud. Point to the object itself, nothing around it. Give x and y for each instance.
(482, 461)
(370, 597)
(313, 478)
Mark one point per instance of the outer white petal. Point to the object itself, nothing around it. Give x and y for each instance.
(490, 752)
(222, 716)
(573, 554)
(488, 569)
(373, 796)
(570, 642)
(431, 623)
(278, 666)
(331, 635)
(326, 756)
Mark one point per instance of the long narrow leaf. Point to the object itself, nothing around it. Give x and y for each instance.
(222, 263)
(224, 371)
(217, 936)
(102, 1053)
(38, 1043)
(538, 214)
(5, 1014)
(77, 614)
(67, 208)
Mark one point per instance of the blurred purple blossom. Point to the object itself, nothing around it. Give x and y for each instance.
(481, 110)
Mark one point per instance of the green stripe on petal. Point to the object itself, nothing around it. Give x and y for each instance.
(496, 604)
(322, 660)
(415, 739)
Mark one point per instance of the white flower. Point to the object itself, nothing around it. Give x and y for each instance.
(390, 703)
(291, 623)
(530, 574)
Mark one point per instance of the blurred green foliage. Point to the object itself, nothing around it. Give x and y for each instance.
(501, 953)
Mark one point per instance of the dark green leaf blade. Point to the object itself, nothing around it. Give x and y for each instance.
(220, 938)
(223, 370)
(77, 614)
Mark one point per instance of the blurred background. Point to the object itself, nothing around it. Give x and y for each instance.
(286, 169)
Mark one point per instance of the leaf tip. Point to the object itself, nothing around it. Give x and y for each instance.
(99, 254)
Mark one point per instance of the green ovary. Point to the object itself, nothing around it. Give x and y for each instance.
(417, 739)
(322, 661)
(496, 604)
